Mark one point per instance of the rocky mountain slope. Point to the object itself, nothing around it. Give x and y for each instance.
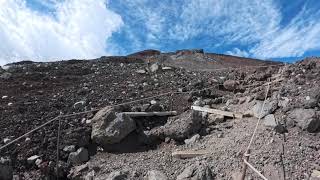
(109, 144)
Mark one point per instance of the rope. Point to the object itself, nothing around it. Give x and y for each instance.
(255, 170)
(259, 119)
(26, 134)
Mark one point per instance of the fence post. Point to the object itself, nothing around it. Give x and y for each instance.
(245, 167)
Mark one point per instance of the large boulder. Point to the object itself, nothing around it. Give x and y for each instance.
(183, 126)
(154, 67)
(180, 127)
(109, 127)
(6, 170)
(269, 107)
(306, 119)
(231, 85)
(197, 171)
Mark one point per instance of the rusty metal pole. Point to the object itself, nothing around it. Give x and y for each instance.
(245, 167)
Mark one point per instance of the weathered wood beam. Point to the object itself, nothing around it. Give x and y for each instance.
(147, 114)
(217, 111)
(189, 153)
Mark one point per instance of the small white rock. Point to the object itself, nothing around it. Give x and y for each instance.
(4, 97)
(308, 98)
(10, 104)
(32, 159)
(153, 102)
(38, 162)
(6, 140)
(27, 139)
(71, 148)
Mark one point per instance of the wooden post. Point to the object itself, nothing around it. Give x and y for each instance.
(217, 111)
(245, 167)
(147, 114)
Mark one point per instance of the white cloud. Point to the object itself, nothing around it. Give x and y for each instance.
(231, 20)
(302, 34)
(238, 52)
(256, 25)
(79, 29)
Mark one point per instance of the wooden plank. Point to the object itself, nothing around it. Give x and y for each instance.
(147, 114)
(217, 111)
(189, 154)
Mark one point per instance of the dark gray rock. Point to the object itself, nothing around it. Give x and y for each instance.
(179, 127)
(6, 170)
(78, 157)
(118, 175)
(268, 108)
(230, 85)
(109, 127)
(270, 121)
(5, 75)
(306, 119)
(192, 140)
(197, 171)
(156, 175)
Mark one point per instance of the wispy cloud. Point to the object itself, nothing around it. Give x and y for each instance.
(79, 29)
(255, 26)
(238, 52)
(91, 28)
(302, 34)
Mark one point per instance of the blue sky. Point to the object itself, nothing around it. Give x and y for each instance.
(64, 29)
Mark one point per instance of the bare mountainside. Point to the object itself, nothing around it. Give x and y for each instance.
(152, 116)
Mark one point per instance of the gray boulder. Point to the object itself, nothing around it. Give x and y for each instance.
(231, 85)
(6, 170)
(154, 67)
(180, 127)
(156, 175)
(306, 119)
(215, 119)
(5, 75)
(270, 121)
(197, 171)
(118, 175)
(78, 157)
(109, 127)
(193, 139)
(269, 107)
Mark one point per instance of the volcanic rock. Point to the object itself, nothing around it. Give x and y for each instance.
(268, 108)
(118, 175)
(270, 121)
(306, 119)
(192, 140)
(32, 159)
(5, 75)
(154, 67)
(215, 118)
(230, 85)
(196, 171)
(156, 175)
(109, 127)
(179, 127)
(78, 157)
(6, 170)
(184, 125)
